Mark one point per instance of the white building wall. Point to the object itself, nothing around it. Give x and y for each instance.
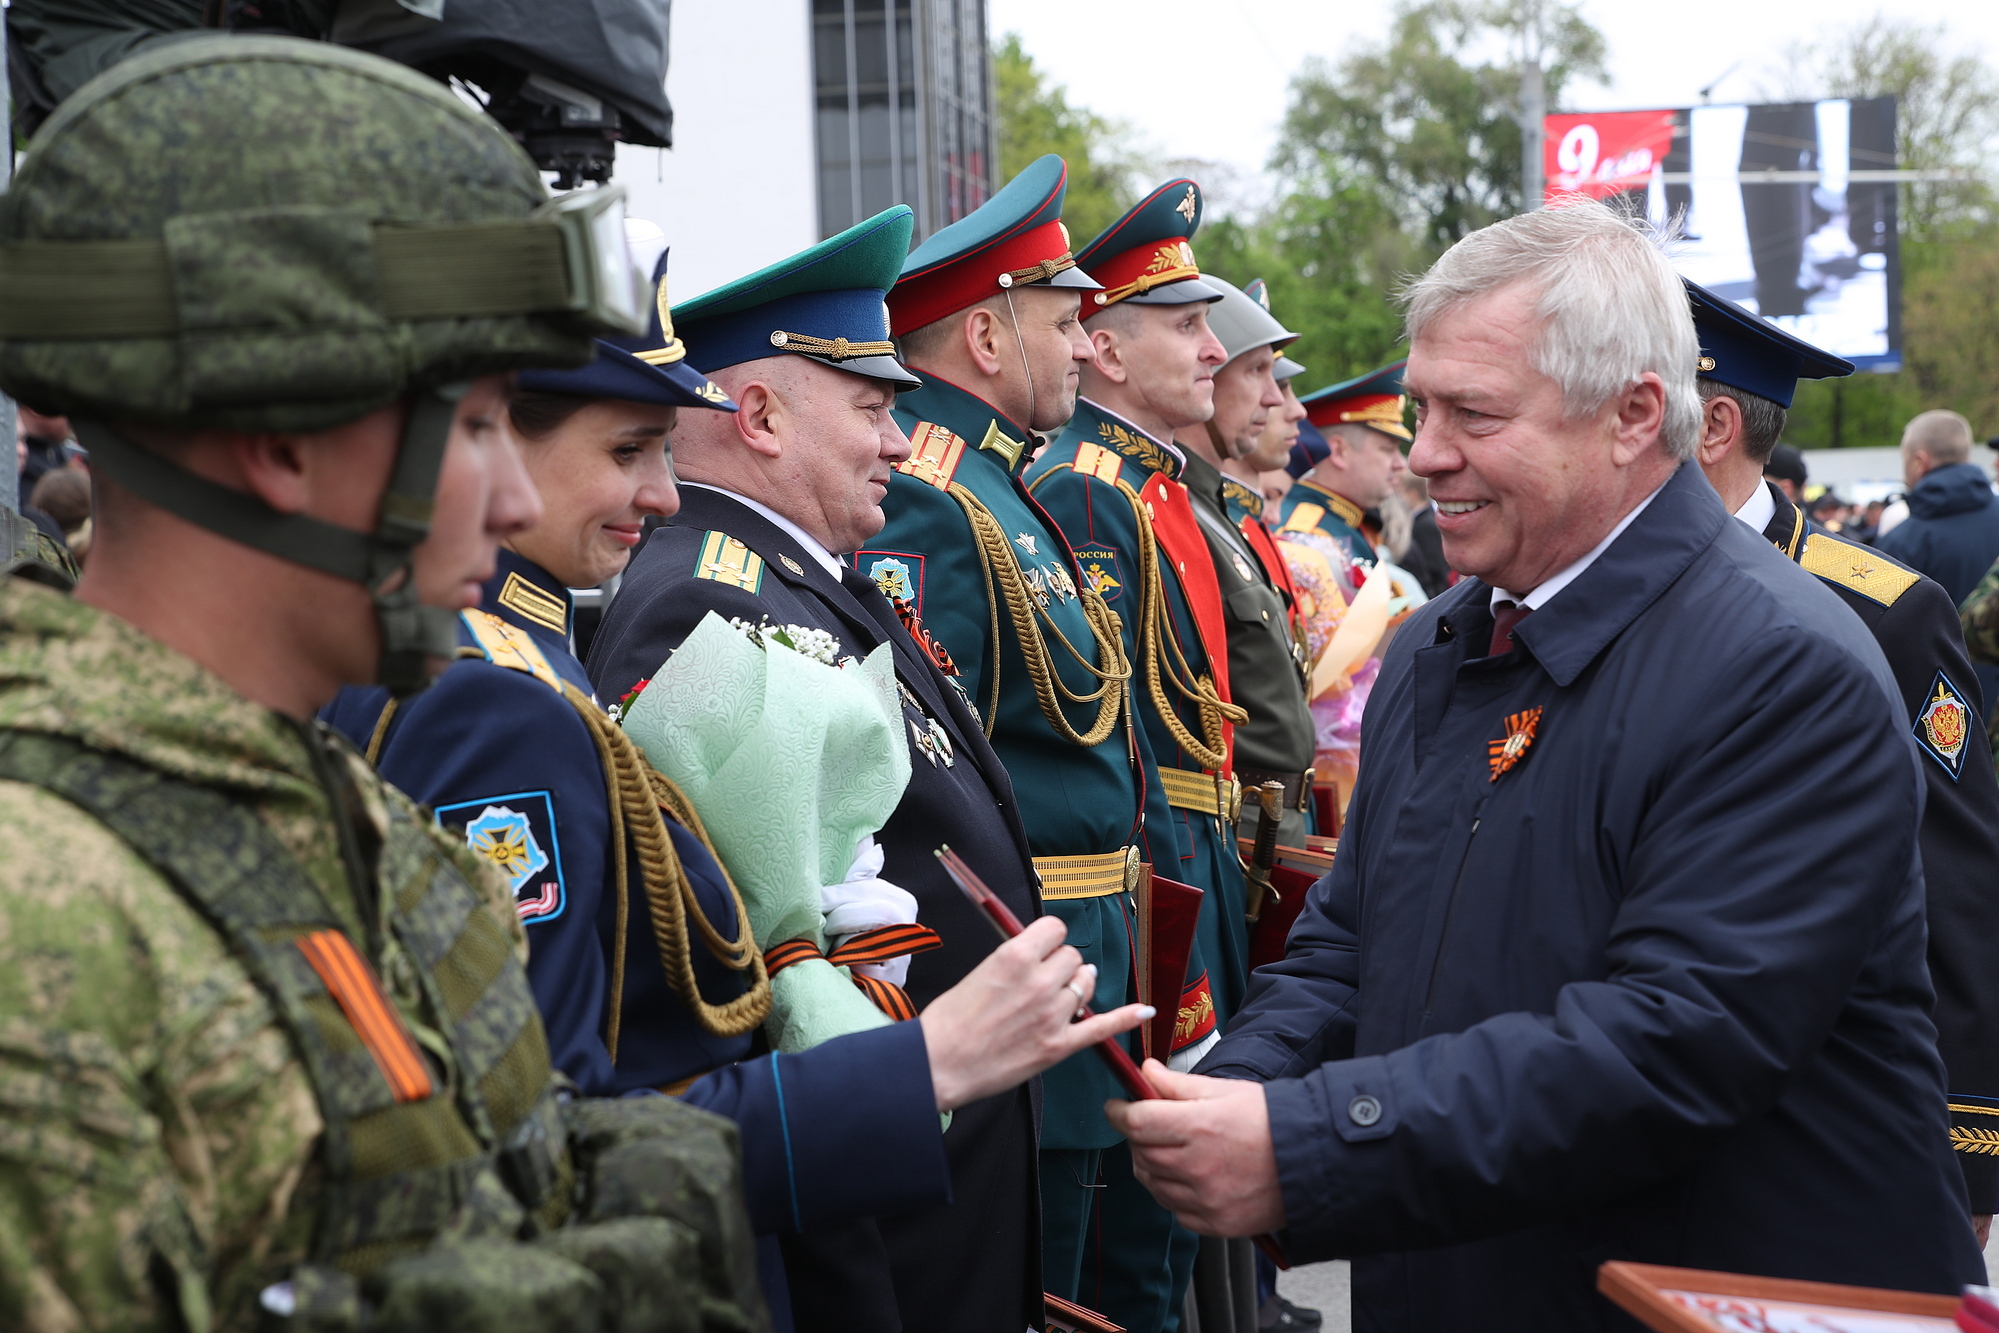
(739, 187)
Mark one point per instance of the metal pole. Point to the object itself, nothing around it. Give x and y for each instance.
(10, 473)
(1533, 107)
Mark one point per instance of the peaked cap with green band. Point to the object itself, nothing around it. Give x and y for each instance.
(266, 234)
(825, 303)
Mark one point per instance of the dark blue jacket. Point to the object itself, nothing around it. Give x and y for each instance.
(1952, 531)
(973, 1266)
(1653, 990)
(845, 1130)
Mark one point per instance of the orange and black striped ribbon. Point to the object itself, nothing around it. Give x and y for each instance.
(351, 983)
(869, 946)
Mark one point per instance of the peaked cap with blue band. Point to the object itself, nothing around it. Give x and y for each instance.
(1374, 399)
(1147, 256)
(1014, 239)
(1285, 369)
(651, 368)
(825, 304)
(1747, 352)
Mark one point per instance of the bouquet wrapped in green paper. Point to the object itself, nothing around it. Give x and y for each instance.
(792, 759)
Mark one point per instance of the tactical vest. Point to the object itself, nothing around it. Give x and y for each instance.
(403, 1152)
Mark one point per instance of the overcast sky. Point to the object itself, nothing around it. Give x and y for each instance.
(1207, 78)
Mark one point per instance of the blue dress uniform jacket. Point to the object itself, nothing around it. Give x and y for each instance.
(1074, 800)
(1182, 844)
(1916, 624)
(1612, 963)
(971, 1265)
(842, 1131)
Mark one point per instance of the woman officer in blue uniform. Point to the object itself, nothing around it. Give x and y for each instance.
(652, 983)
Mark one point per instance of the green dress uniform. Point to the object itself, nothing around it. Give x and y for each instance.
(1113, 490)
(993, 581)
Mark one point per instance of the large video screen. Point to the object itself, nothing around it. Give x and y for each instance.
(1767, 206)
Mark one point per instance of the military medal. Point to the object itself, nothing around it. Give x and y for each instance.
(1503, 754)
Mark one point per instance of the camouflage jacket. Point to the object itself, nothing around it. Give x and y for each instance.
(144, 1080)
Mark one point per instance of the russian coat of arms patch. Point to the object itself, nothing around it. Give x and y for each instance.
(1944, 725)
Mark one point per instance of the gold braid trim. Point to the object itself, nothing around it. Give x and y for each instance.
(636, 795)
(1210, 750)
(834, 349)
(1004, 583)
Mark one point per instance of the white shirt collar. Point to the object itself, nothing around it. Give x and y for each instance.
(1562, 578)
(824, 558)
(1759, 508)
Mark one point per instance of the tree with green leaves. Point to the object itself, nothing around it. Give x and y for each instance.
(1035, 117)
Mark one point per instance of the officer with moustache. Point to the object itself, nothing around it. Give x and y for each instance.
(990, 305)
(770, 501)
(1748, 371)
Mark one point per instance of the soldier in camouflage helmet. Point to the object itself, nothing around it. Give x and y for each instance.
(267, 1048)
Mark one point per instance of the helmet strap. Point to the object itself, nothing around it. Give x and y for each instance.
(381, 561)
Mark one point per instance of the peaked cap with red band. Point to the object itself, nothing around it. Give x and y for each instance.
(1374, 399)
(1014, 239)
(1147, 256)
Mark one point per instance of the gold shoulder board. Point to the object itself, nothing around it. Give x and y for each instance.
(1304, 518)
(726, 560)
(1094, 460)
(933, 455)
(1855, 567)
(510, 646)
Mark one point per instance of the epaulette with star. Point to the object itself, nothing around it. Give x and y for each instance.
(1856, 568)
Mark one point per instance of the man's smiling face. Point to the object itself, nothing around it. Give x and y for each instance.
(1522, 490)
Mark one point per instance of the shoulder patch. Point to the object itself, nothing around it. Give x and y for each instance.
(899, 574)
(1304, 517)
(510, 646)
(516, 832)
(1093, 460)
(1943, 725)
(531, 602)
(726, 560)
(934, 454)
(1100, 568)
(1855, 567)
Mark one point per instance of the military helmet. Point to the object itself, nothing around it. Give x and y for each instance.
(268, 234)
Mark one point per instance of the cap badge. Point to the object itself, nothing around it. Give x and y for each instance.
(1503, 754)
(1185, 208)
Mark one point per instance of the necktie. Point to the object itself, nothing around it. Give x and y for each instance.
(1504, 617)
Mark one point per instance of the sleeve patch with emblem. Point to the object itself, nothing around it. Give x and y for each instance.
(1943, 725)
(899, 574)
(516, 832)
(1100, 566)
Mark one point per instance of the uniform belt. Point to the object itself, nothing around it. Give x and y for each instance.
(1211, 795)
(1297, 786)
(1097, 875)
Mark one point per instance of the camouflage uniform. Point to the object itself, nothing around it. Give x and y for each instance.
(1980, 617)
(148, 1083)
(268, 1056)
